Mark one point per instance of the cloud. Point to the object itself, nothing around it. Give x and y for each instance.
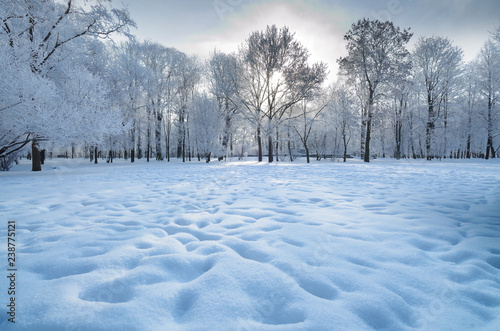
(319, 27)
(200, 26)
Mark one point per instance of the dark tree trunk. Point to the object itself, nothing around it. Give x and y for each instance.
(95, 155)
(429, 128)
(399, 128)
(489, 142)
(467, 153)
(346, 142)
(364, 116)
(159, 118)
(183, 147)
(363, 137)
(308, 156)
(36, 164)
(132, 155)
(369, 126)
(42, 156)
(368, 137)
(167, 143)
(270, 157)
(227, 130)
(490, 151)
(148, 151)
(259, 143)
(276, 148)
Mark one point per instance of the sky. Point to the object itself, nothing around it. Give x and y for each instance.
(200, 26)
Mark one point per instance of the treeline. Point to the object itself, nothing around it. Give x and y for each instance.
(71, 91)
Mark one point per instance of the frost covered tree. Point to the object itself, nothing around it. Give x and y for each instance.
(377, 54)
(345, 119)
(308, 112)
(275, 77)
(400, 98)
(188, 77)
(224, 81)
(469, 101)
(40, 40)
(488, 78)
(206, 125)
(437, 63)
(163, 65)
(128, 75)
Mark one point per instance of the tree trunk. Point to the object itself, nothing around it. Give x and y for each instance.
(158, 130)
(368, 137)
(308, 157)
(259, 143)
(139, 142)
(270, 157)
(36, 164)
(489, 143)
(148, 145)
(95, 155)
(167, 141)
(445, 117)
(399, 128)
(429, 128)
(369, 126)
(489, 148)
(346, 142)
(42, 156)
(363, 137)
(183, 148)
(467, 153)
(364, 117)
(277, 146)
(225, 137)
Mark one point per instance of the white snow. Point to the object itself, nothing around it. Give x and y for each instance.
(408, 245)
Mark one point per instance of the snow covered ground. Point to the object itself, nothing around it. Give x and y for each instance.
(246, 246)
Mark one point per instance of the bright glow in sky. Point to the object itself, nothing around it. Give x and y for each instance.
(200, 26)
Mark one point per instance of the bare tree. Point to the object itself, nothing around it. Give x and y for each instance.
(400, 92)
(276, 76)
(308, 112)
(436, 61)
(206, 124)
(345, 118)
(224, 79)
(488, 70)
(189, 75)
(376, 55)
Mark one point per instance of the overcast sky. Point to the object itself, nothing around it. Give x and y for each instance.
(200, 26)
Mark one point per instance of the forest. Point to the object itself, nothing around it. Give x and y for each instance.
(70, 89)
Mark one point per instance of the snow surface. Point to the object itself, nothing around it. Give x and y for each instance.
(246, 246)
